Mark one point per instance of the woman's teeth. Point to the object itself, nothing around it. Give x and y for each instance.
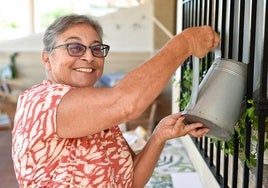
(84, 70)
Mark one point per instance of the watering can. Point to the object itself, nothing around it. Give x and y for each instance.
(217, 101)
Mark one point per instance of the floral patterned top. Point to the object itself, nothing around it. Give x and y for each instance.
(43, 159)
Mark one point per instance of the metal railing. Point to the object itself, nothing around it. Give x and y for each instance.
(243, 27)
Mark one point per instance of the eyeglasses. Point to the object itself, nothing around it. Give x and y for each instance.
(78, 50)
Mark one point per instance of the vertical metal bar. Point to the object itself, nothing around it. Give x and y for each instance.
(247, 153)
(200, 143)
(205, 13)
(225, 169)
(231, 29)
(262, 105)
(211, 154)
(218, 159)
(249, 92)
(199, 10)
(241, 30)
(217, 15)
(235, 160)
(210, 13)
(190, 14)
(183, 16)
(223, 31)
(261, 130)
(206, 147)
(203, 66)
(187, 12)
(193, 13)
(194, 7)
(264, 67)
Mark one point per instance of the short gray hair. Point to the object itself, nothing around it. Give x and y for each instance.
(63, 23)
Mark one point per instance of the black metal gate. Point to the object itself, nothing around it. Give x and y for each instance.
(243, 27)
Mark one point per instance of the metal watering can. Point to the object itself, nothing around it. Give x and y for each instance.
(217, 101)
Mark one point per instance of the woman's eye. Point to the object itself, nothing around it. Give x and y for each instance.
(96, 48)
(76, 48)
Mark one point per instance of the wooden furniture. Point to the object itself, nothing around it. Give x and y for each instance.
(147, 120)
(8, 105)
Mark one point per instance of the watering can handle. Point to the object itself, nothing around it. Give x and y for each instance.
(195, 83)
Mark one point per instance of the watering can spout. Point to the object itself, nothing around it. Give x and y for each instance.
(217, 101)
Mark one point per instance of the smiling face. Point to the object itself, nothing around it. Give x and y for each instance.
(81, 71)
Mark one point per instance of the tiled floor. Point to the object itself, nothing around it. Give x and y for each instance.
(7, 176)
(174, 168)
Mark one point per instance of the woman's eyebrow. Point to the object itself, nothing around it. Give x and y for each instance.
(96, 41)
(79, 39)
(73, 38)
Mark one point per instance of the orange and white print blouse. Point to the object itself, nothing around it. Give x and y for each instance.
(43, 159)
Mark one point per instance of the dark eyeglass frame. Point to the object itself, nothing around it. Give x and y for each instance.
(95, 49)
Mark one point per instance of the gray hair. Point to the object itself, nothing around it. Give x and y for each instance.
(63, 23)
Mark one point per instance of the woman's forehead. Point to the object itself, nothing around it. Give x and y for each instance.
(80, 32)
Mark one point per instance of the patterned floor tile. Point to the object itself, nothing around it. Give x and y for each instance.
(173, 160)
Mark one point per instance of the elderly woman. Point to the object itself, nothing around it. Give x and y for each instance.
(66, 133)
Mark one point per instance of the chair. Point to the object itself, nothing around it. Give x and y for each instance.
(8, 105)
(146, 120)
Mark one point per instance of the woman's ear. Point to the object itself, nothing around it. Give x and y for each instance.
(46, 60)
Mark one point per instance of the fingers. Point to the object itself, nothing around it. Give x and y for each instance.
(176, 115)
(201, 40)
(199, 132)
(173, 126)
(194, 129)
(171, 119)
(216, 40)
(213, 38)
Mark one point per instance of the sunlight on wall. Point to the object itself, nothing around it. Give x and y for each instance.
(14, 19)
(15, 15)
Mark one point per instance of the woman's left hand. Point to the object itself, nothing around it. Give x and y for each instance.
(173, 126)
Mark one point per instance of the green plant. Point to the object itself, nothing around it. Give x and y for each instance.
(240, 128)
(187, 83)
(12, 24)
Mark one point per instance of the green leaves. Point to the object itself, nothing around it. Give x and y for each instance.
(249, 115)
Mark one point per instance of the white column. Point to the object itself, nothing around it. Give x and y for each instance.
(31, 16)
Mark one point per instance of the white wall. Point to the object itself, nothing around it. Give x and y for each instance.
(129, 29)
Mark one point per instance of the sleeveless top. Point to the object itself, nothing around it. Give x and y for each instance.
(43, 159)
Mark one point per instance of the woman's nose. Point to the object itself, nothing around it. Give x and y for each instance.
(88, 56)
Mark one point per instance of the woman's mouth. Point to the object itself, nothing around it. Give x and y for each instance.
(87, 70)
